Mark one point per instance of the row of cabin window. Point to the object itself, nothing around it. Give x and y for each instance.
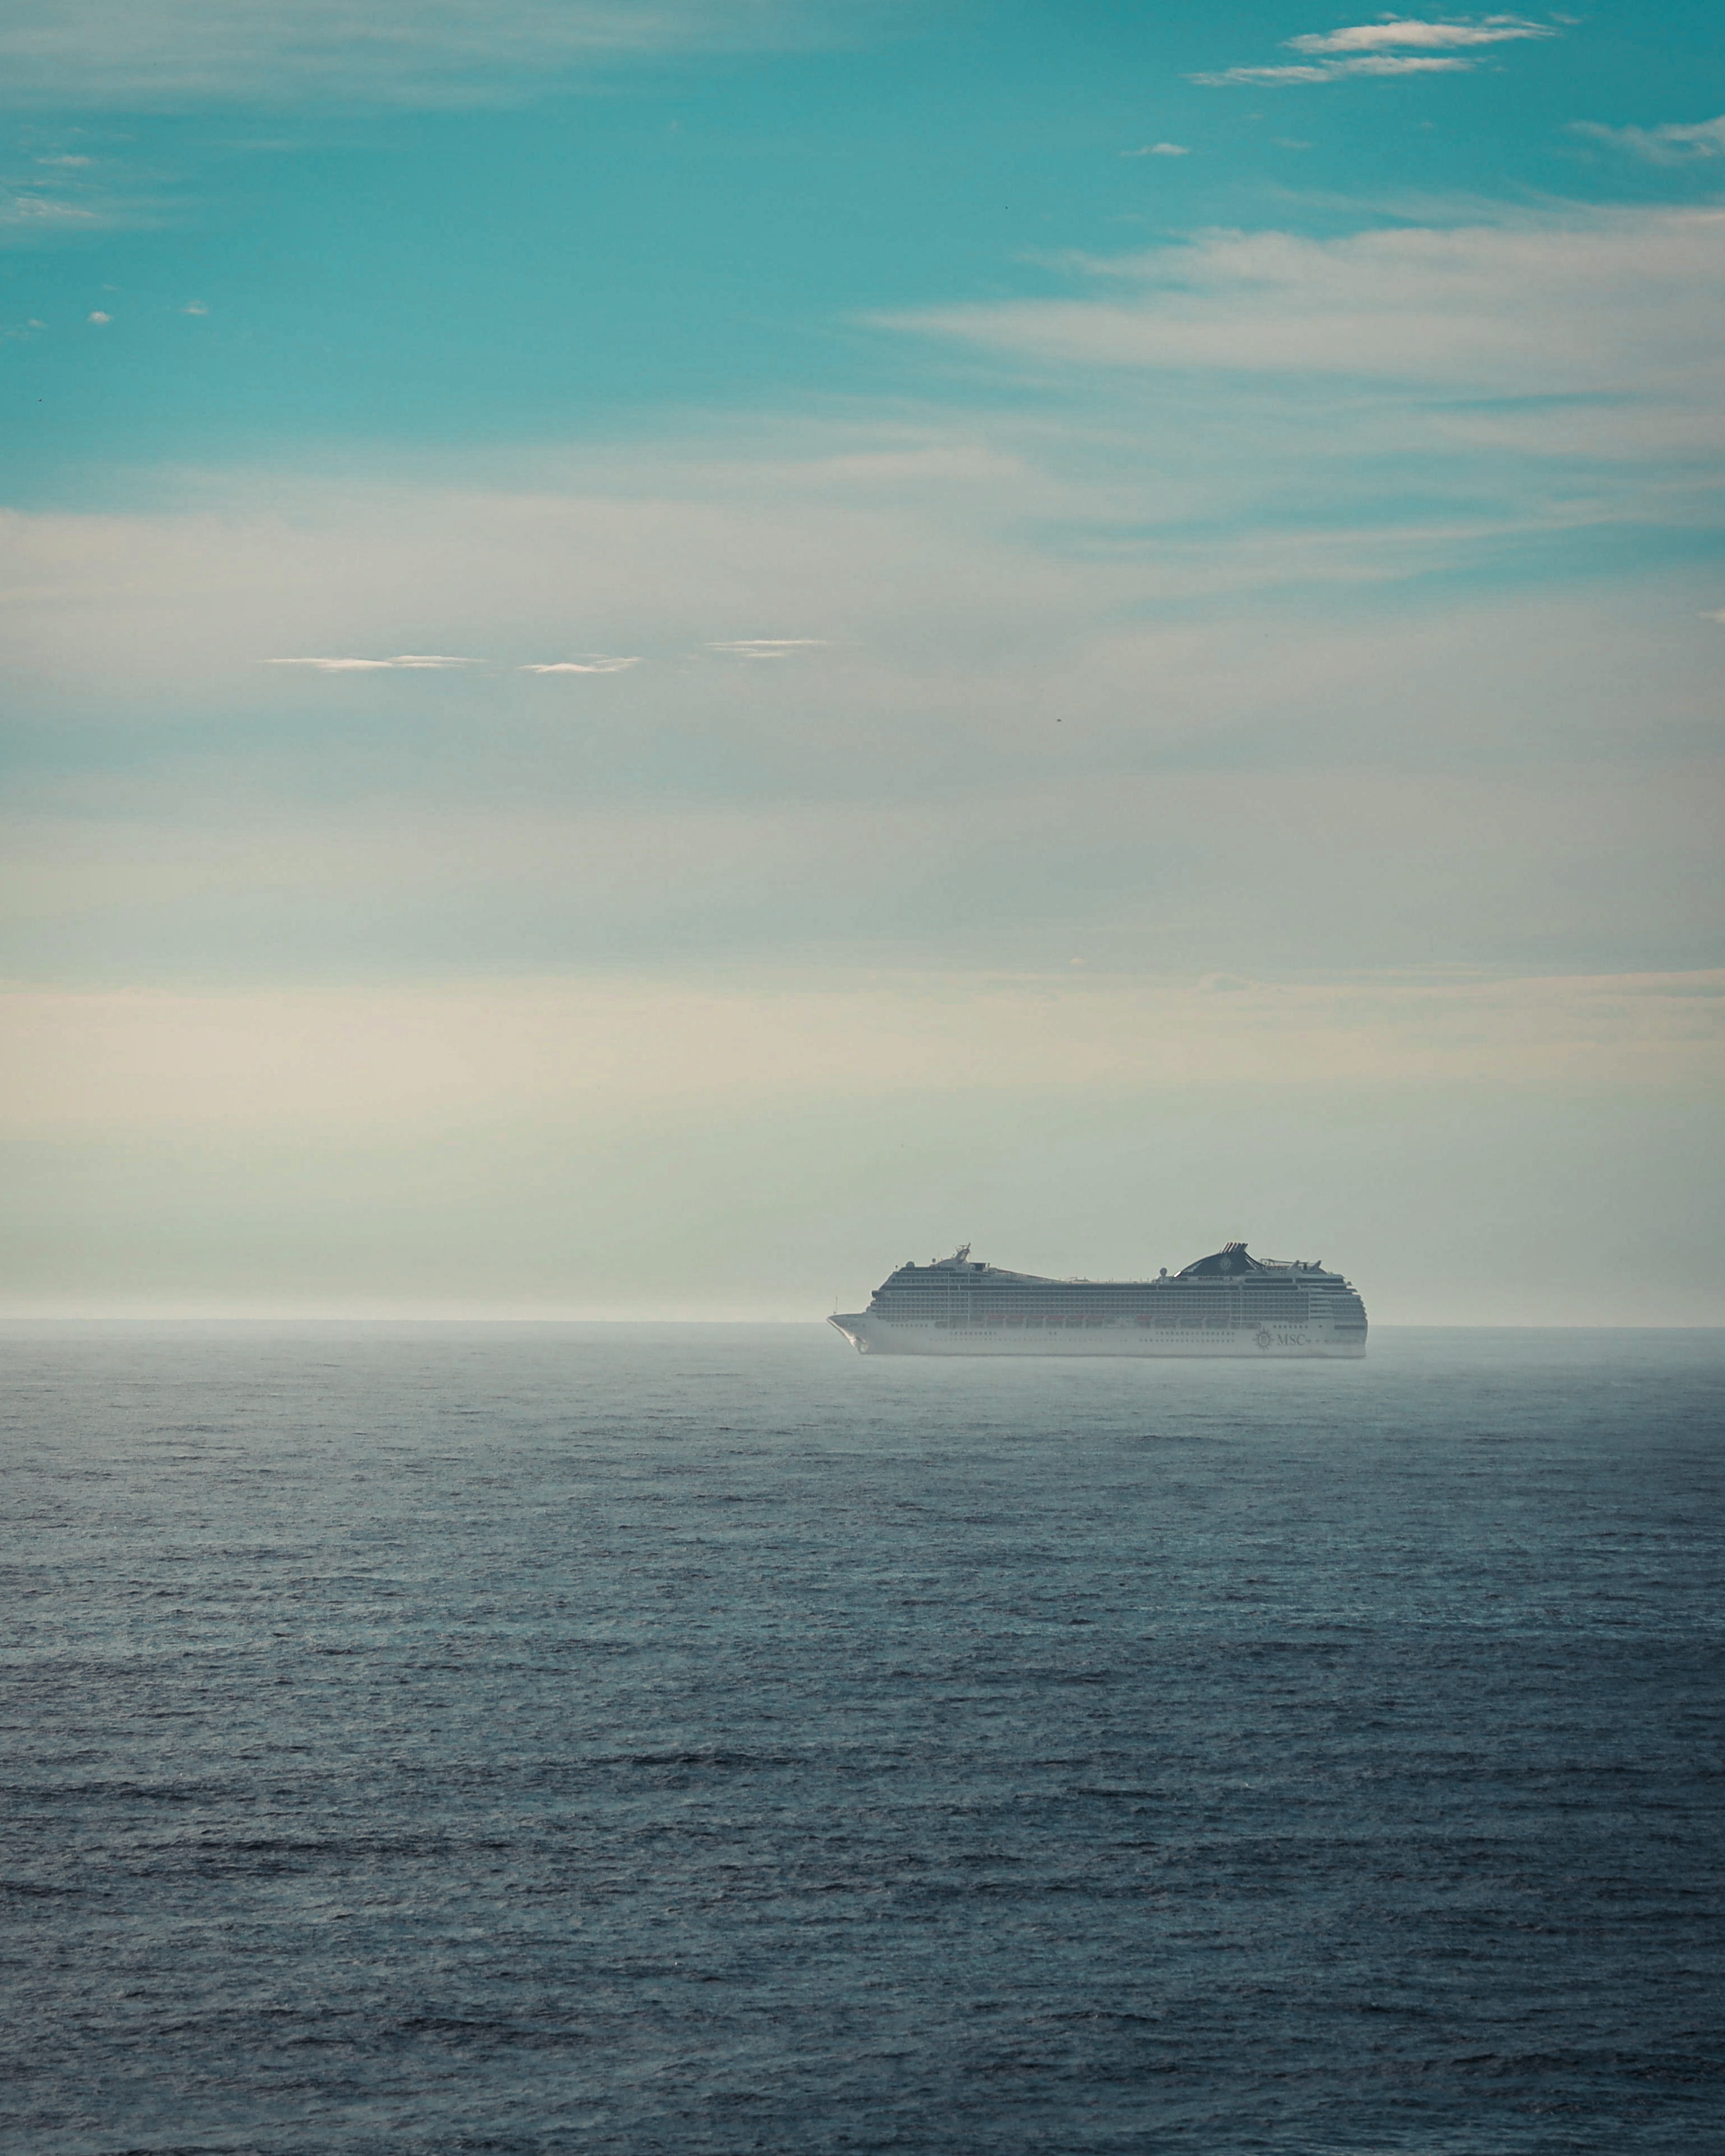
(1200, 1299)
(1192, 1312)
(1188, 1320)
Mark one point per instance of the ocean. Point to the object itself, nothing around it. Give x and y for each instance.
(521, 1739)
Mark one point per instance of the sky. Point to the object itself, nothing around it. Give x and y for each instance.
(660, 654)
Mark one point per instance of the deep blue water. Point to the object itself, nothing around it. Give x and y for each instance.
(440, 1738)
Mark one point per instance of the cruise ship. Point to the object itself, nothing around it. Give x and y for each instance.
(1230, 1303)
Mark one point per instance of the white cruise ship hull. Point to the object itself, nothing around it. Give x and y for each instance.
(1228, 1304)
(876, 1336)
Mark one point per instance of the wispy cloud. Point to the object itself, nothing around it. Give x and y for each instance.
(766, 647)
(1397, 46)
(28, 216)
(1671, 145)
(176, 53)
(1159, 150)
(596, 663)
(1270, 78)
(46, 213)
(1632, 304)
(412, 662)
(1401, 31)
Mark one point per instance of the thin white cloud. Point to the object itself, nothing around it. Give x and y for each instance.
(176, 53)
(1628, 303)
(100, 318)
(194, 307)
(1396, 46)
(337, 666)
(1671, 145)
(44, 213)
(1376, 37)
(29, 219)
(1268, 77)
(407, 661)
(1159, 150)
(767, 647)
(1272, 78)
(596, 663)
(1400, 64)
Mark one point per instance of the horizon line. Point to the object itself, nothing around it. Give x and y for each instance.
(26, 1317)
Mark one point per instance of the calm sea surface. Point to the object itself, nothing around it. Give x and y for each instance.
(702, 1739)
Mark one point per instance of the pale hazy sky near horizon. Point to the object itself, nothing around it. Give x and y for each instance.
(663, 654)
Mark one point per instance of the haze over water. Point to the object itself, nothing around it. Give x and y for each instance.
(535, 1739)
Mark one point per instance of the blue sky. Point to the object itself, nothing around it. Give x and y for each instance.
(714, 230)
(1097, 523)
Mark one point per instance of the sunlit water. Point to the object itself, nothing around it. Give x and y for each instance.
(706, 1740)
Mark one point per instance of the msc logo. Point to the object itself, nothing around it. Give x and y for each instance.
(1263, 1338)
